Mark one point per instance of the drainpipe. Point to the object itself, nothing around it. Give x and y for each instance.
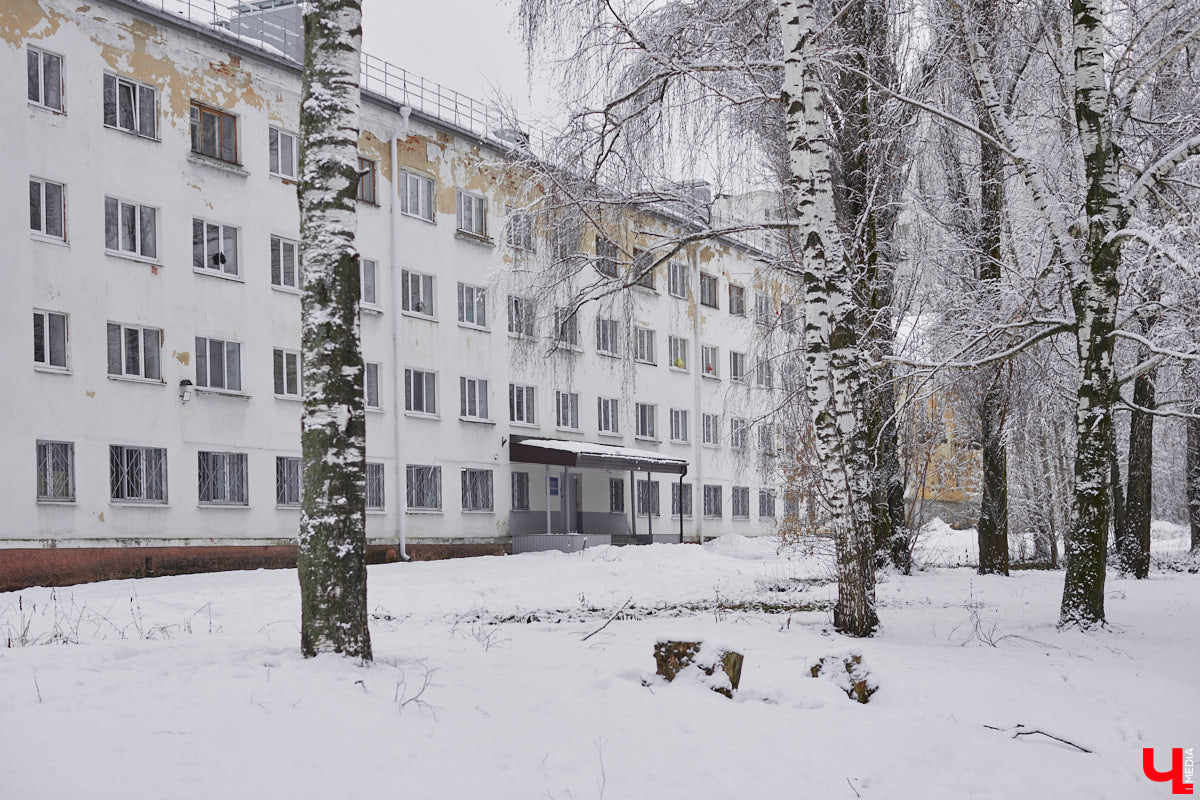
(398, 386)
(681, 504)
(698, 383)
(633, 504)
(650, 509)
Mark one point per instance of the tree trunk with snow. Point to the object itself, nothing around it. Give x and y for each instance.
(1134, 542)
(332, 543)
(834, 381)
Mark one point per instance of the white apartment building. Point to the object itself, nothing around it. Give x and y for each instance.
(155, 283)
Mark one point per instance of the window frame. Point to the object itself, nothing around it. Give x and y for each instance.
(764, 374)
(712, 496)
(478, 211)
(710, 291)
(138, 98)
(616, 495)
(41, 56)
(139, 210)
(287, 468)
(231, 489)
(425, 284)
(279, 266)
(368, 276)
(475, 481)
(196, 113)
(367, 189)
(610, 408)
(567, 402)
(406, 181)
(739, 497)
(737, 307)
(144, 474)
(432, 488)
(648, 495)
(643, 339)
(737, 359)
(220, 260)
(688, 495)
(764, 309)
(677, 287)
(428, 392)
(645, 279)
(375, 487)
(766, 498)
(143, 363)
(279, 373)
(679, 425)
(46, 364)
(528, 402)
(645, 412)
(45, 483)
(521, 317)
(519, 496)
(608, 329)
(518, 229)
(473, 390)
(710, 429)
(710, 361)
(739, 433)
(606, 256)
(278, 134)
(677, 353)
(566, 328)
(42, 231)
(475, 305)
(371, 370)
(206, 384)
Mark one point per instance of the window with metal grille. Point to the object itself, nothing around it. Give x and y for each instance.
(371, 384)
(710, 358)
(520, 491)
(606, 257)
(47, 208)
(647, 498)
(472, 214)
(420, 391)
(712, 501)
(472, 305)
(214, 247)
(709, 291)
(473, 398)
(616, 495)
(566, 327)
(740, 502)
(214, 133)
(738, 428)
(518, 229)
(130, 228)
(737, 367)
(375, 487)
(521, 404)
(423, 486)
(287, 481)
(55, 471)
(416, 293)
(520, 316)
(737, 300)
(608, 417)
(567, 406)
(218, 364)
(137, 474)
(134, 351)
(607, 341)
(679, 425)
(44, 78)
(766, 504)
(50, 339)
(130, 106)
(681, 499)
(223, 478)
(416, 196)
(366, 180)
(476, 489)
(287, 372)
(712, 429)
(647, 414)
(285, 263)
(678, 350)
(677, 279)
(283, 153)
(643, 345)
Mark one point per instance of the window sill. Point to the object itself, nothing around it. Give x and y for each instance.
(681, 370)
(714, 516)
(739, 517)
(286, 289)
(371, 308)
(649, 289)
(51, 370)
(713, 306)
(422, 511)
(481, 511)
(376, 512)
(373, 409)
(679, 441)
(288, 507)
(477, 420)
(56, 501)
(607, 354)
(223, 505)
(61, 241)
(561, 429)
(140, 503)
(647, 363)
(56, 111)
(154, 262)
(475, 238)
(134, 134)
(138, 379)
(567, 347)
(522, 337)
(518, 424)
(288, 180)
(426, 220)
(291, 398)
(212, 273)
(712, 376)
(470, 327)
(221, 392)
(676, 296)
(711, 446)
(216, 163)
(647, 439)
(418, 315)
(367, 202)
(609, 434)
(421, 415)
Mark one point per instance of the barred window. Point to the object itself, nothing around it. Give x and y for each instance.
(424, 486)
(287, 481)
(681, 498)
(476, 489)
(223, 478)
(214, 247)
(712, 501)
(520, 491)
(766, 504)
(616, 495)
(740, 500)
(137, 474)
(134, 351)
(375, 486)
(55, 471)
(647, 498)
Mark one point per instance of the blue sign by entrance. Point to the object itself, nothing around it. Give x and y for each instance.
(554, 487)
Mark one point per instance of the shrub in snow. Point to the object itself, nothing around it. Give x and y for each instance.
(848, 671)
(717, 668)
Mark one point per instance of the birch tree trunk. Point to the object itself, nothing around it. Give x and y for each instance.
(1193, 478)
(834, 381)
(332, 543)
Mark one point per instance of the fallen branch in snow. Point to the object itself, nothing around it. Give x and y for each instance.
(851, 785)
(1018, 730)
(616, 614)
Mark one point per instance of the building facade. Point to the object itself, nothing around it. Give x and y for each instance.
(156, 284)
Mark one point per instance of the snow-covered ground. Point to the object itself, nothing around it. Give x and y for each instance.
(193, 687)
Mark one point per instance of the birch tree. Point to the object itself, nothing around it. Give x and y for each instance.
(332, 542)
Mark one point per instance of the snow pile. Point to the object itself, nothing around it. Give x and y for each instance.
(749, 548)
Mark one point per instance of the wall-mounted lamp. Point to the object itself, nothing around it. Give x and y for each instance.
(185, 390)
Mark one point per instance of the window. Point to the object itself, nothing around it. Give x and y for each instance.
(366, 180)
(787, 317)
(647, 414)
(764, 374)
(606, 257)
(791, 507)
(214, 133)
(134, 351)
(737, 300)
(737, 367)
(521, 404)
(520, 316)
(416, 196)
(130, 106)
(130, 228)
(678, 352)
(766, 504)
(681, 499)
(473, 398)
(137, 474)
(519, 229)
(565, 235)
(677, 279)
(606, 337)
(424, 487)
(214, 247)
(764, 309)
(616, 495)
(647, 498)
(472, 214)
(368, 268)
(375, 487)
(712, 428)
(218, 364)
(710, 358)
(608, 418)
(223, 478)
(371, 385)
(566, 405)
(284, 150)
(766, 438)
(520, 491)
(285, 263)
(416, 293)
(712, 501)
(472, 305)
(45, 79)
(643, 345)
(566, 327)
(287, 373)
(740, 500)
(737, 433)
(709, 289)
(420, 391)
(476, 489)
(50, 339)
(287, 481)
(679, 425)
(47, 209)
(643, 273)
(55, 471)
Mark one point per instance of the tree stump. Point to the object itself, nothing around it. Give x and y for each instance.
(672, 658)
(855, 681)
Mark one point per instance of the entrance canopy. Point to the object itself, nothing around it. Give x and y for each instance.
(564, 453)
